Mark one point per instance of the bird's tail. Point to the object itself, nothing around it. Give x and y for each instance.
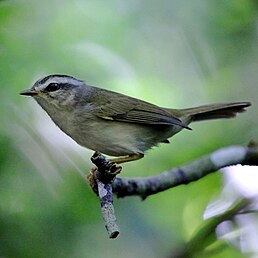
(215, 111)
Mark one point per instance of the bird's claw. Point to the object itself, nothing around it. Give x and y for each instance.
(105, 170)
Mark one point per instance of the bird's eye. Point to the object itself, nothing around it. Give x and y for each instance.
(52, 87)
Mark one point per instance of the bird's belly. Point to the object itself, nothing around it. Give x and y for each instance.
(119, 138)
(112, 137)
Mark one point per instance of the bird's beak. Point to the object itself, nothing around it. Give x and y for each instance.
(29, 92)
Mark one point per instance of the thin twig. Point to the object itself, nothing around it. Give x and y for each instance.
(100, 179)
(107, 208)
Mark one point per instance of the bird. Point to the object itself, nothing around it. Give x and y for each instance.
(113, 123)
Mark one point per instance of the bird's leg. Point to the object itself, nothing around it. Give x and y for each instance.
(127, 158)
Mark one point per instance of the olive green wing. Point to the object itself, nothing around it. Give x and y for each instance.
(122, 108)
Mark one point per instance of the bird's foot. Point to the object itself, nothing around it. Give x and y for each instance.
(105, 171)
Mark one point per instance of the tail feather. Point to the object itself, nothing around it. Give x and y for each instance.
(216, 111)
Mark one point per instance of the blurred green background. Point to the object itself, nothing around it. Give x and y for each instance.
(173, 53)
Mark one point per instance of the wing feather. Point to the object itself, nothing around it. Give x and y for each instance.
(118, 107)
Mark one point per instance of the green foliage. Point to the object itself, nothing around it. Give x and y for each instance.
(172, 53)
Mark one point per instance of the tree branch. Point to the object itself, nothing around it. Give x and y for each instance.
(104, 183)
(187, 173)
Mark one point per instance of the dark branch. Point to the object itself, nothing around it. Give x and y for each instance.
(187, 173)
